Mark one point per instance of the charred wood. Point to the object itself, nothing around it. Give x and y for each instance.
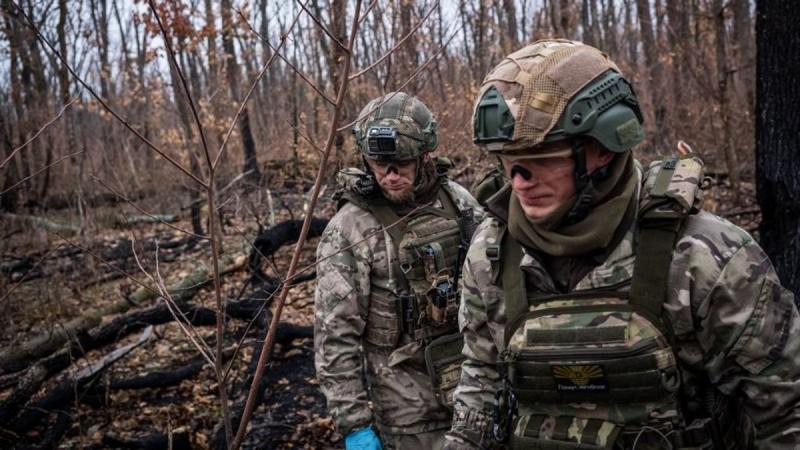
(174, 441)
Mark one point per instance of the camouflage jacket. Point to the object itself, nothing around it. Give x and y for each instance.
(732, 320)
(364, 384)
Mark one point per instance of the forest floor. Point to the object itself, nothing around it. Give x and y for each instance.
(70, 280)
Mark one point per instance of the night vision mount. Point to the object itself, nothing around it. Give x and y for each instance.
(381, 142)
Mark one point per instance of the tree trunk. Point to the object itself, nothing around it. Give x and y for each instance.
(629, 35)
(743, 36)
(408, 54)
(777, 140)
(723, 75)
(232, 70)
(510, 32)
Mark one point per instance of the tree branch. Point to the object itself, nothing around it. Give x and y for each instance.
(250, 92)
(105, 106)
(270, 339)
(396, 46)
(174, 61)
(44, 127)
(292, 66)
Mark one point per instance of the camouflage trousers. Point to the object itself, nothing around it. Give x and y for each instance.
(433, 440)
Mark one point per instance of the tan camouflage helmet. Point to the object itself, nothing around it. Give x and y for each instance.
(396, 126)
(552, 90)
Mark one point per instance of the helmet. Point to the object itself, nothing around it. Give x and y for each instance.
(553, 90)
(395, 126)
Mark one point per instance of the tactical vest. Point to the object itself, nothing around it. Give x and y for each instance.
(597, 369)
(428, 249)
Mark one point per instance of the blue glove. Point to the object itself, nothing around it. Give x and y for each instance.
(363, 439)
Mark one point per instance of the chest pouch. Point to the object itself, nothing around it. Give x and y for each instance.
(428, 255)
(586, 370)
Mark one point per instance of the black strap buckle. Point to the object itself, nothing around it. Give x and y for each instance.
(505, 409)
(408, 314)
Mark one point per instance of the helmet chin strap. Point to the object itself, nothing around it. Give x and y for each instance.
(585, 184)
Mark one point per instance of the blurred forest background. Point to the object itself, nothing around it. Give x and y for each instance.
(166, 166)
(691, 61)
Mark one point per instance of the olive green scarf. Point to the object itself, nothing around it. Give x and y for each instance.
(614, 204)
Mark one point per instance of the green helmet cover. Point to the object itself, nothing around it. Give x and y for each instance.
(606, 110)
(396, 126)
(493, 120)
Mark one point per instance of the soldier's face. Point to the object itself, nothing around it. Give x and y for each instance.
(396, 178)
(542, 185)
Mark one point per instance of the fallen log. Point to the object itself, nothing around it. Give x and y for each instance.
(22, 356)
(130, 323)
(268, 242)
(163, 378)
(63, 395)
(175, 441)
(41, 222)
(29, 383)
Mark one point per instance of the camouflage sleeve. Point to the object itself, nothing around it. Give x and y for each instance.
(474, 396)
(749, 334)
(340, 311)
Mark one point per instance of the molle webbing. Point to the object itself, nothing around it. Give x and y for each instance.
(637, 377)
(391, 221)
(423, 243)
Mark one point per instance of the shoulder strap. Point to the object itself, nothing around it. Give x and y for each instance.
(505, 259)
(659, 224)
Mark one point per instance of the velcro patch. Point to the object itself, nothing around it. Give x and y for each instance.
(582, 378)
(628, 132)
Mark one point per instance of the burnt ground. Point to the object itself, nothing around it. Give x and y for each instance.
(295, 416)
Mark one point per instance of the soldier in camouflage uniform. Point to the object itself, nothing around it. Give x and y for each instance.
(388, 282)
(601, 307)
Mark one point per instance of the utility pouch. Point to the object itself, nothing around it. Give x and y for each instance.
(383, 319)
(428, 256)
(443, 358)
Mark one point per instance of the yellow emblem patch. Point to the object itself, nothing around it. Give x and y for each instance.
(580, 378)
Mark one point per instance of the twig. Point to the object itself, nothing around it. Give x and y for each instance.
(204, 349)
(230, 184)
(130, 202)
(174, 60)
(105, 105)
(41, 170)
(99, 258)
(44, 127)
(396, 46)
(409, 80)
(366, 12)
(264, 69)
(270, 339)
(305, 138)
(274, 50)
(323, 27)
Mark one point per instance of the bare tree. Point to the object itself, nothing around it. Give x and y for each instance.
(232, 70)
(777, 140)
